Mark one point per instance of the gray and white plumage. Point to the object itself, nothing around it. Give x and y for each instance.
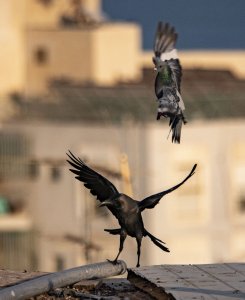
(168, 79)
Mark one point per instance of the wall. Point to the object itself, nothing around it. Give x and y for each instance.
(201, 222)
(101, 55)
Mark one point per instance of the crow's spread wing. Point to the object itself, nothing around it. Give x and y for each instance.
(98, 185)
(153, 200)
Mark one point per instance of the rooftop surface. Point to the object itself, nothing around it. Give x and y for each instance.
(180, 282)
(208, 94)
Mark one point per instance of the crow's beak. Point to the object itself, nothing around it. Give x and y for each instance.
(105, 203)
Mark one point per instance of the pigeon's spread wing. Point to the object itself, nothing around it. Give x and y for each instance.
(165, 39)
(98, 185)
(164, 48)
(176, 69)
(152, 201)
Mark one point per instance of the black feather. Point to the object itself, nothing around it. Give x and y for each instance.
(97, 184)
(156, 241)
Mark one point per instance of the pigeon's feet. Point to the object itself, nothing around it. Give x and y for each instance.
(114, 262)
(158, 115)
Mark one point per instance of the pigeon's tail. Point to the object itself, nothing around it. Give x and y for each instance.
(113, 231)
(156, 241)
(165, 39)
(176, 125)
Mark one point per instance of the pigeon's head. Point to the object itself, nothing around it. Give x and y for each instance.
(159, 64)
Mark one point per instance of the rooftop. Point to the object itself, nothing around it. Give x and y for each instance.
(169, 282)
(208, 94)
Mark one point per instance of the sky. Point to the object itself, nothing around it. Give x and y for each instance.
(209, 24)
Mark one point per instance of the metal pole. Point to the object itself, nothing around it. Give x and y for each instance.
(45, 283)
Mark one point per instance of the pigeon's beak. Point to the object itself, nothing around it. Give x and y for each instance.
(158, 115)
(154, 62)
(105, 203)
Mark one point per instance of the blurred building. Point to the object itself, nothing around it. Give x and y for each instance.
(78, 82)
(59, 39)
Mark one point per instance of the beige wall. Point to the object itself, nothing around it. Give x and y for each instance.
(39, 15)
(45, 16)
(64, 207)
(209, 60)
(102, 55)
(202, 222)
(116, 53)
(68, 56)
(12, 54)
(18, 16)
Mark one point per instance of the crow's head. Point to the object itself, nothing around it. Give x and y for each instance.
(111, 202)
(108, 203)
(121, 203)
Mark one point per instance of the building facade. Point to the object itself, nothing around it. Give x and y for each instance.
(202, 222)
(78, 83)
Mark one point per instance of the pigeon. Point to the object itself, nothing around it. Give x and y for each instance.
(126, 210)
(168, 79)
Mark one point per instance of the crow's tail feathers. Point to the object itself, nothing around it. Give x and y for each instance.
(113, 231)
(156, 241)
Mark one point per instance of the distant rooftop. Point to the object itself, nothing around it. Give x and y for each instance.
(208, 94)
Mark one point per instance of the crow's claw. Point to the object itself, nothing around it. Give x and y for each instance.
(114, 262)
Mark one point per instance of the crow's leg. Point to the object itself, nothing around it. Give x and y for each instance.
(138, 239)
(123, 236)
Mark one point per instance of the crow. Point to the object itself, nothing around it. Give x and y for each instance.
(124, 208)
(168, 79)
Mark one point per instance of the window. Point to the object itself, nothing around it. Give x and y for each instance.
(33, 169)
(59, 263)
(241, 202)
(45, 2)
(239, 188)
(14, 148)
(55, 173)
(41, 56)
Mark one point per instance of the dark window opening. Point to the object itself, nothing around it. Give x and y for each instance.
(55, 173)
(45, 2)
(242, 204)
(41, 56)
(33, 169)
(59, 263)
